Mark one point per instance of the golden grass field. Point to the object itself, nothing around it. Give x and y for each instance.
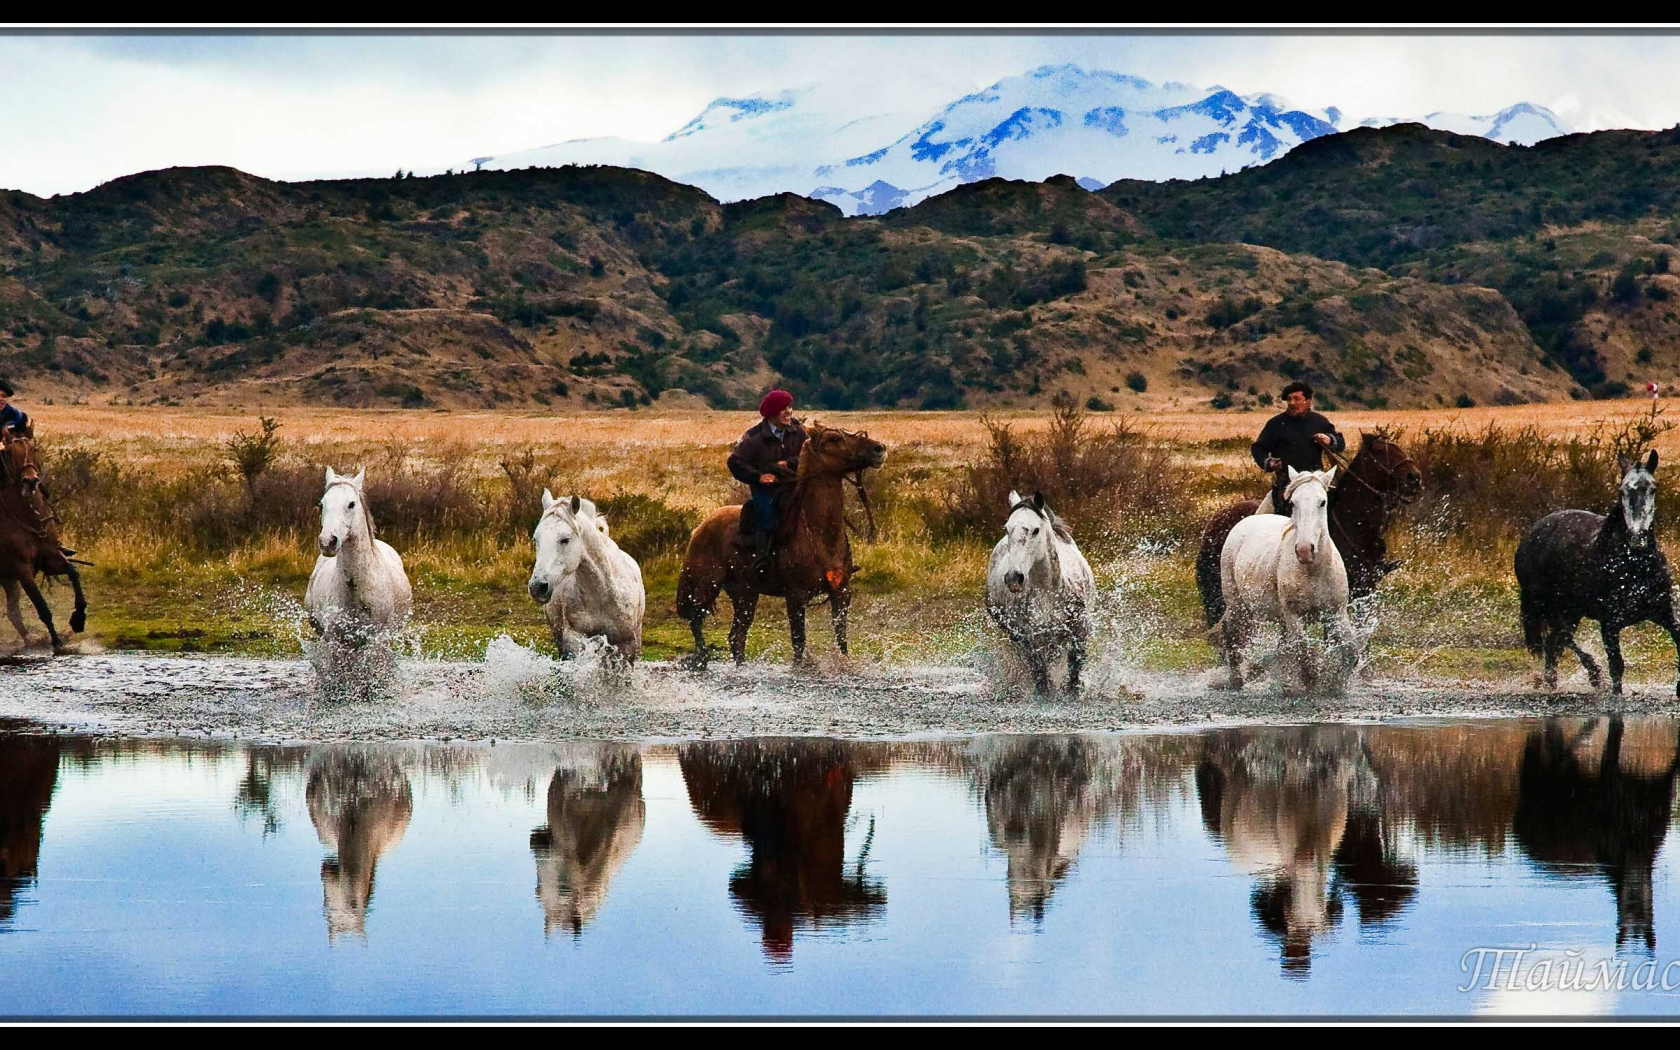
(1452, 611)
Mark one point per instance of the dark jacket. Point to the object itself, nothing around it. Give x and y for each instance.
(1290, 438)
(759, 450)
(12, 416)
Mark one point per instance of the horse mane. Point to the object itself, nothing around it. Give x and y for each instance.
(1300, 479)
(1057, 525)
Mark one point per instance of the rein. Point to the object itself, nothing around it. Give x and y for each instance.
(1346, 464)
(863, 497)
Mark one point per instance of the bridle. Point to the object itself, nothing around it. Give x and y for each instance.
(855, 478)
(1391, 495)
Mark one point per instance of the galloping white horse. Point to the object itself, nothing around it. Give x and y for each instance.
(1287, 571)
(585, 584)
(358, 592)
(1040, 589)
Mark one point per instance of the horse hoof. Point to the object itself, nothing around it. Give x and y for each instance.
(78, 621)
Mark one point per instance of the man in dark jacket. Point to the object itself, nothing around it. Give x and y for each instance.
(766, 460)
(1295, 437)
(10, 414)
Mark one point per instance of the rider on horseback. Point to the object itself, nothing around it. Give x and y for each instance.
(766, 460)
(1295, 437)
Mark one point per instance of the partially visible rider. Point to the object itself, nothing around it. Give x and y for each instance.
(1296, 437)
(766, 460)
(10, 414)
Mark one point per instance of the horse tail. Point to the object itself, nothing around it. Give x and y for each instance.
(1208, 580)
(1533, 623)
(689, 602)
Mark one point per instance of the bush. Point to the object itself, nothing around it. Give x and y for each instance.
(1137, 382)
(1107, 483)
(1497, 481)
(1097, 404)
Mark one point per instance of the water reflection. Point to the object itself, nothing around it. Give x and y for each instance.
(360, 803)
(1345, 857)
(1594, 802)
(1043, 796)
(1278, 801)
(788, 800)
(28, 775)
(595, 821)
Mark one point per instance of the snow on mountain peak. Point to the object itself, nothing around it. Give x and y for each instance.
(1054, 118)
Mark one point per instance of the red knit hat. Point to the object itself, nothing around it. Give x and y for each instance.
(773, 403)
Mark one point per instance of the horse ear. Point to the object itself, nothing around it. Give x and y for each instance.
(1038, 500)
(1330, 478)
(577, 504)
(1014, 499)
(547, 500)
(1623, 464)
(1293, 473)
(361, 476)
(331, 476)
(1651, 462)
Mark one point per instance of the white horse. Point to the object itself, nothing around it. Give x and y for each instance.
(1040, 589)
(585, 584)
(358, 592)
(1287, 571)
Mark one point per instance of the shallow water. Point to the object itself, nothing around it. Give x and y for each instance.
(1342, 869)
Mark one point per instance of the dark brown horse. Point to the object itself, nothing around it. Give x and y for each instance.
(813, 556)
(1362, 506)
(29, 543)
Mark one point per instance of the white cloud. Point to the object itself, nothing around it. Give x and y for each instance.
(81, 110)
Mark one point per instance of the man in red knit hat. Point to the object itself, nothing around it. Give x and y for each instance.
(766, 460)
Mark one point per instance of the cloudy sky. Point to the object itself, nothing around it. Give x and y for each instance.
(79, 110)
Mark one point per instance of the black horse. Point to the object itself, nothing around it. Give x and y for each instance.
(1576, 565)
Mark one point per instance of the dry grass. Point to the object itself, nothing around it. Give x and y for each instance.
(187, 556)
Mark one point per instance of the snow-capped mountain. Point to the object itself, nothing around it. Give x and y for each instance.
(1095, 125)
(1523, 124)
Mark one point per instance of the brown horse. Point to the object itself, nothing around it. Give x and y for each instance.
(29, 538)
(1379, 480)
(813, 556)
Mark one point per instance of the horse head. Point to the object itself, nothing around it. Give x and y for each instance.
(1028, 542)
(1308, 495)
(829, 450)
(17, 452)
(344, 513)
(1386, 468)
(559, 538)
(1638, 496)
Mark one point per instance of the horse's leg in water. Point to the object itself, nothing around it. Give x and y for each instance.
(78, 614)
(1077, 643)
(1594, 675)
(840, 607)
(1294, 652)
(14, 610)
(796, 628)
(746, 605)
(1612, 653)
(42, 609)
(1342, 643)
(1664, 618)
(1039, 663)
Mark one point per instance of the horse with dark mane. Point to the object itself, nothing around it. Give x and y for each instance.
(29, 539)
(812, 558)
(1576, 565)
(1363, 504)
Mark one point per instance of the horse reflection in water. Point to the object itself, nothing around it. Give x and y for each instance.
(28, 777)
(1043, 796)
(789, 801)
(1595, 798)
(1297, 809)
(595, 820)
(360, 803)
